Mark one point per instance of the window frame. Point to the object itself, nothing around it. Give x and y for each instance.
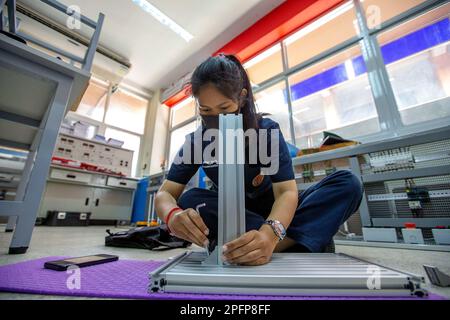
(172, 128)
(131, 93)
(102, 125)
(388, 115)
(389, 118)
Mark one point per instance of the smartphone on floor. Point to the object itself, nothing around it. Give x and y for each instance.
(63, 265)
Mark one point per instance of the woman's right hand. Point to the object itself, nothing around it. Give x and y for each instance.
(189, 225)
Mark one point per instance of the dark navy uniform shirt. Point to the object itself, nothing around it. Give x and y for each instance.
(258, 188)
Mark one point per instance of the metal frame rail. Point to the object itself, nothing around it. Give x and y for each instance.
(231, 215)
(294, 274)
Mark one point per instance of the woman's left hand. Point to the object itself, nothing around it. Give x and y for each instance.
(253, 248)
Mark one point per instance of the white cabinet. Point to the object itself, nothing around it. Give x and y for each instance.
(106, 197)
(66, 197)
(111, 204)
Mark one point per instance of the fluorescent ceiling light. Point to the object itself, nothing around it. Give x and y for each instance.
(163, 19)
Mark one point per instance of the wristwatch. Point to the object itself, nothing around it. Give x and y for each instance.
(277, 228)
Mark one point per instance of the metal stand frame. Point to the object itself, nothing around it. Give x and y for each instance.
(88, 58)
(25, 207)
(320, 274)
(69, 83)
(303, 274)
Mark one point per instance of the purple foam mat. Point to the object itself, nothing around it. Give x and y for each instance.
(122, 279)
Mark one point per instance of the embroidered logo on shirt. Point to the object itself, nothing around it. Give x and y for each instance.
(258, 180)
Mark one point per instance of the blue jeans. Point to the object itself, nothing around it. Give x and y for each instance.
(322, 209)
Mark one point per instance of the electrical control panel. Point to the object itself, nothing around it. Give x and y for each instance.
(409, 184)
(409, 195)
(97, 154)
(418, 156)
(391, 160)
(314, 172)
(405, 180)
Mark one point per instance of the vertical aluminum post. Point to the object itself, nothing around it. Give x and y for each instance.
(2, 4)
(12, 16)
(231, 206)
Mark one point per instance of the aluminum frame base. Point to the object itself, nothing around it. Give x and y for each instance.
(293, 274)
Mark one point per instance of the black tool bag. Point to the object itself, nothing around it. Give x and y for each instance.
(152, 238)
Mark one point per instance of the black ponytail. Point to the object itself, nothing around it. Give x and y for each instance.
(228, 75)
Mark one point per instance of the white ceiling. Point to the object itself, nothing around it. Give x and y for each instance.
(158, 55)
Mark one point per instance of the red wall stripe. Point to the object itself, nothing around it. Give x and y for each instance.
(281, 22)
(180, 96)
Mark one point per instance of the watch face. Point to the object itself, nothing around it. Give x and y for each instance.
(279, 229)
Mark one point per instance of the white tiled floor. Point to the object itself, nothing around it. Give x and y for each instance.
(80, 241)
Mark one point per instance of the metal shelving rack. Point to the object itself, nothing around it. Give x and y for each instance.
(36, 91)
